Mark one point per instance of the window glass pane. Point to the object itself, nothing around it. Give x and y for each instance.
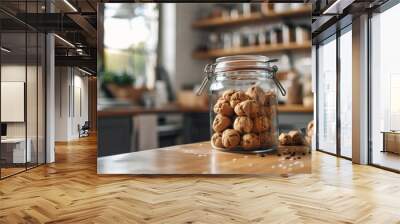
(31, 97)
(385, 84)
(131, 54)
(346, 94)
(41, 99)
(327, 96)
(15, 149)
(22, 89)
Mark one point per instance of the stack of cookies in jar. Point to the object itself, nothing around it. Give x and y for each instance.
(244, 119)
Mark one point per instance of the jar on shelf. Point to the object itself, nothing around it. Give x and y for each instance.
(243, 103)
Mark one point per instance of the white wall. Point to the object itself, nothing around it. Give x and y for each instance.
(80, 109)
(168, 44)
(188, 70)
(71, 94)
(178, 42)
(61, 103)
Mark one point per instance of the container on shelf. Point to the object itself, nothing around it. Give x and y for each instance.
(243, 103)
(295, 89)
(282, 7)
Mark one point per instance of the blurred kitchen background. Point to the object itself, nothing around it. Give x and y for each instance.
(151, 58)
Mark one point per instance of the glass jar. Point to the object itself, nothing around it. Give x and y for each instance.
(243, 103)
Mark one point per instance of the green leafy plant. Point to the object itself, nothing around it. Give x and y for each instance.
(124, 80)
(121, 80)
(108, 77)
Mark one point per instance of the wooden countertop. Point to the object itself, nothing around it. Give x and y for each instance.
(173, 108)
(136, 110)
(201, 158)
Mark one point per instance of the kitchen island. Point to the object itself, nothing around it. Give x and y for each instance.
(119, 126)
(201, 158)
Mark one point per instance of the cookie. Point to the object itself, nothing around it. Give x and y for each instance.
(216, 140)
(310, 128)
(248, 108)
(221, 123)
(243, 124)
(223, 107)
(227, 94)
(297, 137)
(310, 131)
(261, 124)
(270, 98)
(267, 139)
(230, 138)
(285, 139)
(237, 97)
(256, 93)
(250, 141)
(308, 140)
(269, 111)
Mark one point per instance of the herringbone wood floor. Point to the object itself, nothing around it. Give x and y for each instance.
(70, 191)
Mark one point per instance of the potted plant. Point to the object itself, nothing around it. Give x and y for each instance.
(121, 86)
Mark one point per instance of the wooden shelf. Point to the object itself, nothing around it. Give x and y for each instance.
(260, 49)
(133, 111)
(294, 108)
(252, 18)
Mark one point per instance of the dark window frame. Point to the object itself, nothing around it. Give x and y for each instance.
(31, 30)
(346, 27)
(381, 9)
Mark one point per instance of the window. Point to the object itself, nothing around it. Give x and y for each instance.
(335, 108)
(346, 92)
(385, 89)
(22, 101)
(134, 53)
(327, 96)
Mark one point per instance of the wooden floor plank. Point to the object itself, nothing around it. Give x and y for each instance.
(70, 191)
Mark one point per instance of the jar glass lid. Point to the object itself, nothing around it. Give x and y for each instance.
(241, 62)
(242, 57)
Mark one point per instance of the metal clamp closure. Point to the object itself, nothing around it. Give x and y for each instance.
(208, 72)
(277, 83)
